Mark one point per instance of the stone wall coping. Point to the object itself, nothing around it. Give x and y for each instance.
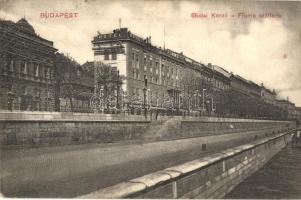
(68, 116)
(125, 189)
(153, 179)
(226, 120)
(118, 191)
(73, 121)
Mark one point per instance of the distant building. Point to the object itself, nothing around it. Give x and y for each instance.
(288, 106)
(246, 87)
(298, 113)
(26, 68)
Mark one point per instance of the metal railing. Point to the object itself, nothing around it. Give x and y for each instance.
(153, 112)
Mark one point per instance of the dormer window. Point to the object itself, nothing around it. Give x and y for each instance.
(78, 73)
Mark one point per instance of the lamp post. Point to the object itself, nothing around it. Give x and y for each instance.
(203, 101)
(212, 109)
(118, 88)
(144, 94)
(196, 99)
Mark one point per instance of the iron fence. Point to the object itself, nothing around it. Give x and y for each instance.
(153, 112)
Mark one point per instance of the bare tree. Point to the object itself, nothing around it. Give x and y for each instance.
(108, 85)
(66, 71)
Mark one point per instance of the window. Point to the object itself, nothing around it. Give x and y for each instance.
(46, 72)
(24, 90)
(36, 70)
(137, 62)
(107, 56)
(133, 56)
(37, 92)
(24, 67)
(36, 105)
(134, 73)
(137, 91)
(11, 66)
(114, 56)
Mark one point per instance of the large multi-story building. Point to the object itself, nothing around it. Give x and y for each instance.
(26, 68)
(169, 74)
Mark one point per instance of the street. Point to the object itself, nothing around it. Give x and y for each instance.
(70, 171)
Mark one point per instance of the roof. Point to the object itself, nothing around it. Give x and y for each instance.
(221, 70)
(25, 29)
(24, 25)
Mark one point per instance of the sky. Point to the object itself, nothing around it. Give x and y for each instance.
(264, 50)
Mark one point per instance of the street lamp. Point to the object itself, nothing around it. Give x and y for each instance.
(144, 94)
(118, 89)
(203, 100)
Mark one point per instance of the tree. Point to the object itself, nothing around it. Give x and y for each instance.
(191, 86)
(108, 85)
(66, 71)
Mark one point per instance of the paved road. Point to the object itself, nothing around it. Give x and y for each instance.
(70, 171)
(280, 178)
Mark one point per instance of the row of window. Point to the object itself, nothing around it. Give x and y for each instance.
(29, 68)
(35, 92)
(151, 96)
(153, 65)
(25, 104)
(110, 56)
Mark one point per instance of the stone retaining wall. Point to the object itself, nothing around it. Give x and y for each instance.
(45, 133)
(33, 129)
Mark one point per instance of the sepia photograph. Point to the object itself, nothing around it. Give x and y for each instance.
(150, 99)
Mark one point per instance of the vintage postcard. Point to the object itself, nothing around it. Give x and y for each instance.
(150, 99)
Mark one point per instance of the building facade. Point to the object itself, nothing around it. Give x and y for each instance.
(172, 78)
(268, 96)
(27, 76)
